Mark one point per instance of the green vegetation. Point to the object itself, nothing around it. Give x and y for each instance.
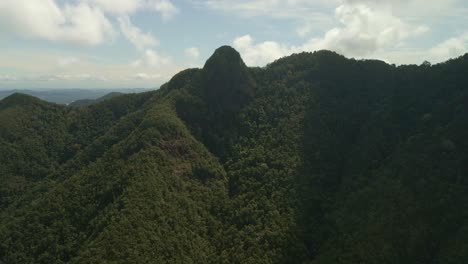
(313, 159)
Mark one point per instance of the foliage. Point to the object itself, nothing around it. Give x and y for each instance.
(313, 159)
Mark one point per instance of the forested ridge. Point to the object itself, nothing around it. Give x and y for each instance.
(314, 158)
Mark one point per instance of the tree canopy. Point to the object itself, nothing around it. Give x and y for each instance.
(314, 158)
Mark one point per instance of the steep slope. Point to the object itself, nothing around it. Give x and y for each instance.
(226, 81)
(214, 98)
(38, 138)
(401, 187)
(152, 182)
(315, 158)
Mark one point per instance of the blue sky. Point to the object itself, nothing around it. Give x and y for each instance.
(143, 43)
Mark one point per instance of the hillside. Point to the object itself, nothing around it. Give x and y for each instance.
(314, 158)
(86, 102)
(69, 95)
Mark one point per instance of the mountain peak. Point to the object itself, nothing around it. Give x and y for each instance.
(225, 56)
(227, 83)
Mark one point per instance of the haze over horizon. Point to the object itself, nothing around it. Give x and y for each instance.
(143, 43)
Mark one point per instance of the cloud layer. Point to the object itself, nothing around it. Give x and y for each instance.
(83, 22)
(134, 34)
(364, 29)
(79, 23)
(126, 7)
(88, 40)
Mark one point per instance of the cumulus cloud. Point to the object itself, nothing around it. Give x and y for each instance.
(364, 30)
(152, 58)
(80, 23)
(450, 48)
(359, 28)
(134, 34)
(192, 52)
(315, 22)
(164, 7)
(259, 54)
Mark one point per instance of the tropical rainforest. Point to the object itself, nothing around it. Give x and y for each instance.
(314, 158)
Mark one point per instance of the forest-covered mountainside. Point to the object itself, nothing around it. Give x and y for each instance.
(314, 158)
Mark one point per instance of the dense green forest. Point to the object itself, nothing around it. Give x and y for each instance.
(314, 158)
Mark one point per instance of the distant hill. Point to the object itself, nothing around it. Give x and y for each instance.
(67, 96)
(315, 158)
(86, 102)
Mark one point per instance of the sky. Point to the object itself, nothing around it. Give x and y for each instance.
(143, 43)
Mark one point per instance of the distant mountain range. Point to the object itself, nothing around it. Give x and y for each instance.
(315, 158)
(68, 96)
(86, 102)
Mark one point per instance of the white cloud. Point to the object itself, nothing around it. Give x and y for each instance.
(136, 63)
(450, 48)
(273, 8)
(152, 59)
(146, 76)
(446, 49)
(134, 35)
(117, 6)
(80, 23)
(67, 61)
(125, 7)
(364, 30)
(78, 77)
(259, 54)
(192, 52)
(63, 77)
(309, 15)
(316, 22)
(360, 28)
(85, 78)
(8, 78)
(164, 7)
(304, 9)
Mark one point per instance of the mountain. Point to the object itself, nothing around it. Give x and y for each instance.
(314, 158)
(67, 96)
